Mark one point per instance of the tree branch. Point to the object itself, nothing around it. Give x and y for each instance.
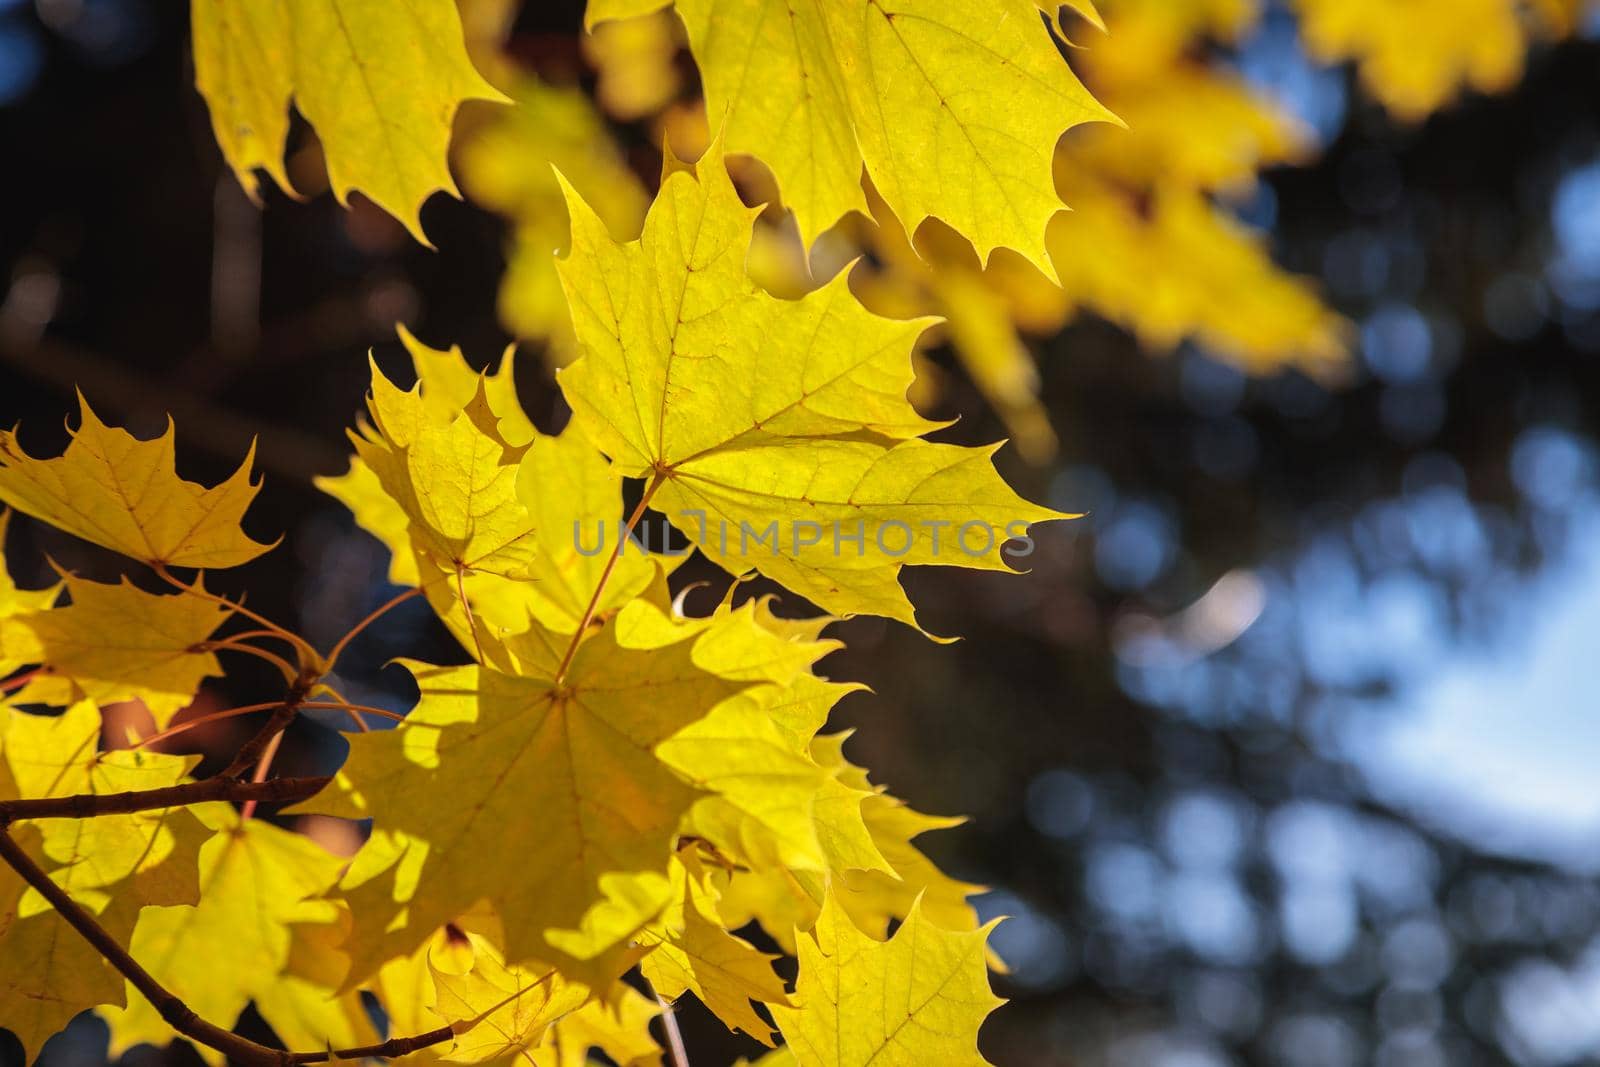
(395, 1046)
(174, 1011)
(251, 752)
(87, 805)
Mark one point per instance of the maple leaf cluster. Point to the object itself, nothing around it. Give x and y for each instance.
(611, 795)
(609, 788)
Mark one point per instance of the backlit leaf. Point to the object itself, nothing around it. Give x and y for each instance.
(123, 493)
(953, 107)
(380, 83)
(777, 432)
(916, 999)
(117, 642)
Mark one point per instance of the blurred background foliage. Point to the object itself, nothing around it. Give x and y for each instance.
(1285, 753)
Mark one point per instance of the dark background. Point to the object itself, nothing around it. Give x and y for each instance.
(1200, 871)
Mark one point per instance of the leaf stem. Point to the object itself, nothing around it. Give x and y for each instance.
(19, 680)
(279, 635)
(605, 575)
(263, 765)
(301, 644)
(202, 720)
(378, 613)
(214, 716)
(345, 705)
(669, 1023)
(466, 607)
(231, 643)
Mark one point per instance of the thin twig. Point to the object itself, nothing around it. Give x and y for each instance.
(89, 805)
(203, 720)
(308, 653)
(216, 716)
(395, 1046)
(173, 1010)
(466, 606)
(251, 751)
(605, 576)
(383, 609)
(19, 680)
(263, 765)
(229, 644)
(345, 705)
(277, 635)
(669, 1023)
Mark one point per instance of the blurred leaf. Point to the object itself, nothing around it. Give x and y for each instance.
(379, 82)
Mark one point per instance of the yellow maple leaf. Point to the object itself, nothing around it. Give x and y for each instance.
(569, 502)
(767, 791)
(499, 1009)
(48, 972)
(776, 433)
(124, 494)
(1192, 126)
(446, 384)
(1417, 56)
(14, 601)
(379, 82)
(693, 953)
(146, 857)
(576, 755)
(918, 998)
(1182, 269)
(617, 1025)
(953, 107)
(256, 881)
(305, 1006)
(117, 642)
(575, 497)
(768, 800)
(875, 897)
(534, 1010)
(453, 474)
(876, 881)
